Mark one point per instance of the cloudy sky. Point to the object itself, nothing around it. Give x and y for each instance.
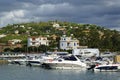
(101, 12)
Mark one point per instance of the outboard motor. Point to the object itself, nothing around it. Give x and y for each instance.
(91, 67)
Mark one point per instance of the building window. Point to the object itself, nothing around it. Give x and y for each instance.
(62, 44)
(40, 43)
(74, 44)
(33, 43)
(44, 38)
(33, 38)
(68, 44)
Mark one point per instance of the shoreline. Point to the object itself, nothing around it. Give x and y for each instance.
(3, 62)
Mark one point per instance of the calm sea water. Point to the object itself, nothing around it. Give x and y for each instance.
(16, 72)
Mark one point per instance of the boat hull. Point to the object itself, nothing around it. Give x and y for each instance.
(107, 68)
(103, 70)
(18, 62)
(62, 66)
(34, 63)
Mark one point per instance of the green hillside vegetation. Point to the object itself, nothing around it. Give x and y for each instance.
(10, 37)
(90, 35)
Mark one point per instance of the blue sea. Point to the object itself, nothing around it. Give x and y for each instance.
(16, 72)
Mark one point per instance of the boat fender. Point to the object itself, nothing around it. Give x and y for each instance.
(92, 67)
(50, 60)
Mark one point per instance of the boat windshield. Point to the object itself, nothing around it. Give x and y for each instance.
(70, 58)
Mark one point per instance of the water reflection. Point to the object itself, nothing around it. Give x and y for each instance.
(15, 72)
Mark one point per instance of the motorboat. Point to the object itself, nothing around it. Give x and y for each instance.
(106, 67)
(87, 52)
(18, 61)
(108, 54)
(65, 62)
(34, 61)
(38, 60)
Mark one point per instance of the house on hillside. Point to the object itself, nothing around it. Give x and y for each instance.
(2, 35)
(4, 46)
(16, 32)
(14, 41)
(37, 41)
(22, 26)
(56, 25)
(68, 43)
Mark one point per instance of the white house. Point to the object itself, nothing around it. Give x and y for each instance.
(2, 35)
(56, 25)
(16, 31)
(14, 41)
(22, 26)
(37, 41)
(67, 43)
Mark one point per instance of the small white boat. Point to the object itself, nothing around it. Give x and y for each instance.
(66, 62)
(38, 61)
(107, 67)
(34, 62)
(18, 61)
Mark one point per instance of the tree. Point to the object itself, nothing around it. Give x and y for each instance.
(115, 39)
(94, 38)
(43, 48)
(17, 49)
(7, 50)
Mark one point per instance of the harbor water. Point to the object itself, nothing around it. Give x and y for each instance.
(16, 72)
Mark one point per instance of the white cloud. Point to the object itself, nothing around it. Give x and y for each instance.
(12, 17)
(36, 13)
(115, 28)
(102, 12)
(112, 3)
(53, 9)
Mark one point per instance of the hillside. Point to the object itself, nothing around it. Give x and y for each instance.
(88, 34)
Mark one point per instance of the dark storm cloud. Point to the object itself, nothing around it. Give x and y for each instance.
(100, 12)
(8, 5)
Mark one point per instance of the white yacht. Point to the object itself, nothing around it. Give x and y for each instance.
(66, 62)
